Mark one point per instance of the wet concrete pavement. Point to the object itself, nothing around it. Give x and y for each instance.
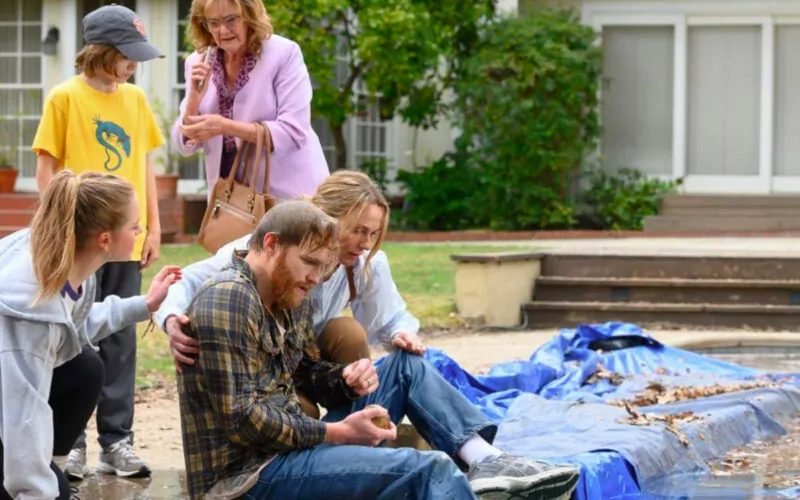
(164, 484)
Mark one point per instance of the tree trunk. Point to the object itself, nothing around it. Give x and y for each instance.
(340, 146)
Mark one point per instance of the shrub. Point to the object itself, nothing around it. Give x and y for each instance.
(527, 105)
(621, 200)
(438, 197)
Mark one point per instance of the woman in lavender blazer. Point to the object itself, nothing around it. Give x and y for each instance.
(242, 73)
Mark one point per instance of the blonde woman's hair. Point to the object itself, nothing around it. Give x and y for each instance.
(73, 209)
(254, 16)
(349, 193)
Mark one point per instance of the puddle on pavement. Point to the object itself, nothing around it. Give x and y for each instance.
(774, 359)
(771, 466)
(168, 484)
(758, 470)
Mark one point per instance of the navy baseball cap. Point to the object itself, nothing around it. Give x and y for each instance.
(118, 26)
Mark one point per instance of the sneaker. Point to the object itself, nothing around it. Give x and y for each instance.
(512, 477)
(73, 493)
(120, 459)
(76, 468)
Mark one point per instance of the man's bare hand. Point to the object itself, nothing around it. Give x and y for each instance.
(361, 376)
(182, 347)
(358, 429)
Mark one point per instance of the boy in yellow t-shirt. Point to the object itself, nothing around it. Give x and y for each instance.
(96, 121)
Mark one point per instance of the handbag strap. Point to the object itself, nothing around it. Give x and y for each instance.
(255, 160)
(252, 158)
(236, 161)
(267, 138)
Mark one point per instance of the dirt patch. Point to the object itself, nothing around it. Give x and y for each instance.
(157, 424)
(157, 427)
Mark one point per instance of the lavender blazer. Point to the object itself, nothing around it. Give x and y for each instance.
(278, 94)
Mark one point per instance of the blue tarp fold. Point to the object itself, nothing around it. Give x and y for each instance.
(547, 409)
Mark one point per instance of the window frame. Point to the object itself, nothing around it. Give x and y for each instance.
(27, 174)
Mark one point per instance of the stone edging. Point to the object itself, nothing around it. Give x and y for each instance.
(458, 236)
(737, 339)
(477, 236)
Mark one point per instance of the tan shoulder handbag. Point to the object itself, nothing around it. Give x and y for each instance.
(234, 208)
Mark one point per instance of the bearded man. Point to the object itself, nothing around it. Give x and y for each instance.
(245, 434)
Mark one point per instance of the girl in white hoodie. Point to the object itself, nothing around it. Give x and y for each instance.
(48, 316)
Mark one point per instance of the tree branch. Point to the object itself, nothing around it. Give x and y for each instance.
(355, 72)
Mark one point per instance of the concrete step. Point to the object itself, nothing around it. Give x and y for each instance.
(667, 290)
(547, 314)
(706, 222)
(579, 265)
(16, 218)
(721, 212)
(707, 201)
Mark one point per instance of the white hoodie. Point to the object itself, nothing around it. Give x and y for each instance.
(33, 341)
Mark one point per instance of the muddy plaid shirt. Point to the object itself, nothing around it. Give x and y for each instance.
(238, 402)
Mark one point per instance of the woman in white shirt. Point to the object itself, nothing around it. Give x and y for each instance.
(363, 280)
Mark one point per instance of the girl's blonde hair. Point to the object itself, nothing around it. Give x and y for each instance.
(254, 16)
(348, 193)
(73, 209)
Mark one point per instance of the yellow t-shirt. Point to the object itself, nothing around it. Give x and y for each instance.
(88, 130)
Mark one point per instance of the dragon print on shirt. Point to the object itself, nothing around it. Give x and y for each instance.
(104, 132)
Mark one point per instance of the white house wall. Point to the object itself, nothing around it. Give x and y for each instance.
(732, 123)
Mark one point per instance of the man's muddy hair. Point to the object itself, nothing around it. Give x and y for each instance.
(297, 223)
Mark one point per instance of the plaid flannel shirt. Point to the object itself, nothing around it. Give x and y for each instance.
(238, 402)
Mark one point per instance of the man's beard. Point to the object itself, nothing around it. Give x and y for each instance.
(284, 285)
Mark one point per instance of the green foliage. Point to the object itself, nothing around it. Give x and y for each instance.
(527, 105)
(378, 170)
(170, 158)
(439, 197)
(621, 200)
(395, 46)
(9, 139)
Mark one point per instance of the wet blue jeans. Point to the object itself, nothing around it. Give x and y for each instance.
(409, 385)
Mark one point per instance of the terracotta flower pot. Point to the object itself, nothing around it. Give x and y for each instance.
(167, 185)
(8, 179)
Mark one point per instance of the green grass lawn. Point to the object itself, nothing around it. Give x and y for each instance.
(424, 274)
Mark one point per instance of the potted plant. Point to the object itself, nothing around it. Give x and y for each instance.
(8, 178)
(8, 156)
(167, 180)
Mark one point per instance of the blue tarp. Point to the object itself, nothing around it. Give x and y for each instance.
(546, 410)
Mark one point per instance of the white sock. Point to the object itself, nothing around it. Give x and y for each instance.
(60, 461)
(477, 449)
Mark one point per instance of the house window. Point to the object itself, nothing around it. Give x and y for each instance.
(366, 135)
(368, 138)
(21, 89)
(190, 168)
(724, 100)
(371, 133)
(637, 98)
